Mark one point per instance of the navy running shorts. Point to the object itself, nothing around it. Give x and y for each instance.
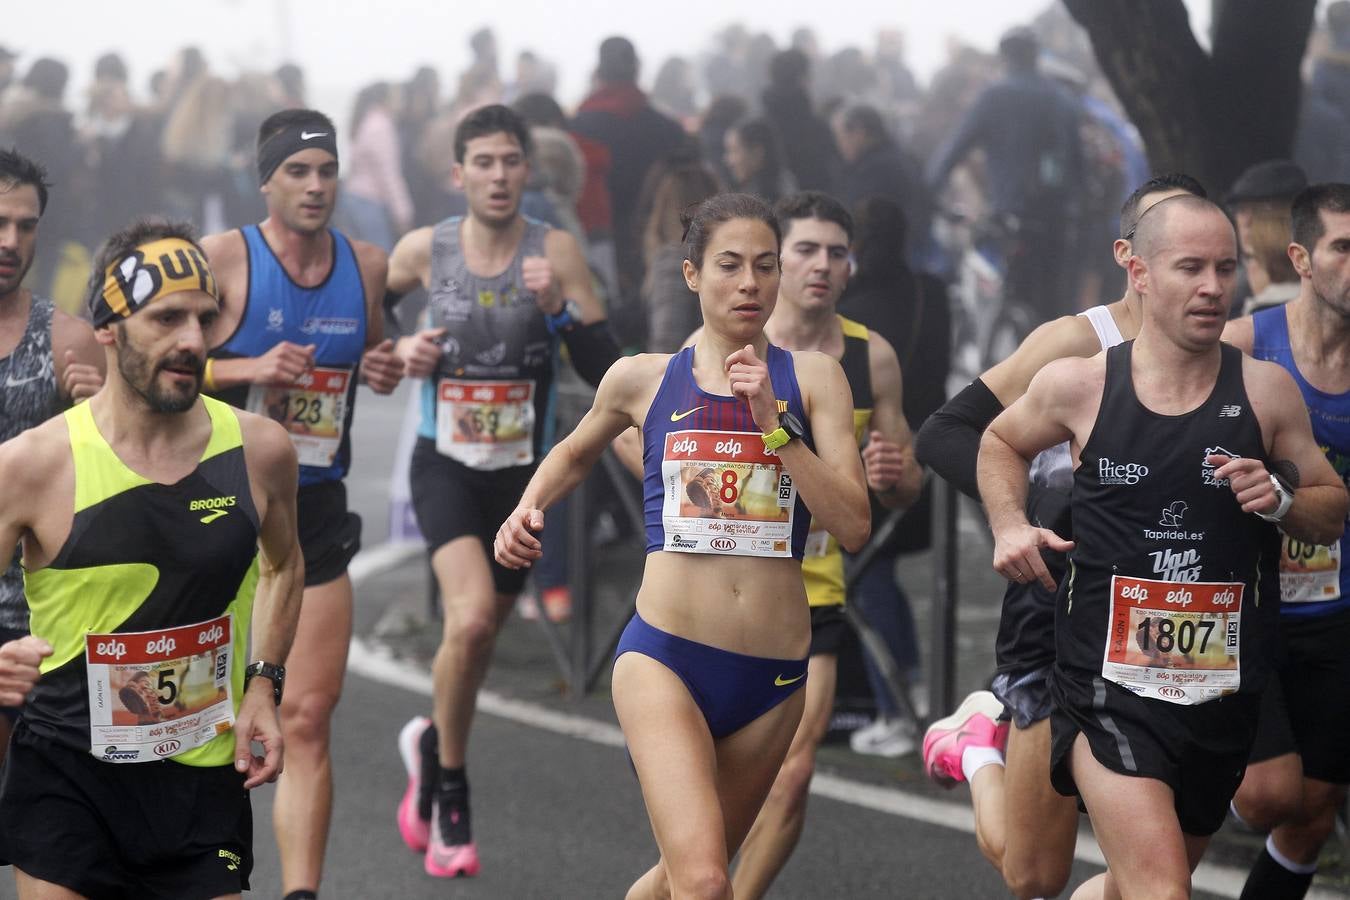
(1306, 706)
(732, 689)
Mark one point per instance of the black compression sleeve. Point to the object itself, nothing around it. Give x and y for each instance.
(592, 350)
(390, 304)
(949, 442)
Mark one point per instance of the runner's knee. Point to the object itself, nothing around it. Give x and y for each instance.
(704, 881)
(308, 720)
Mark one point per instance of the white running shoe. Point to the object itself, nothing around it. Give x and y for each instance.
(889, 737)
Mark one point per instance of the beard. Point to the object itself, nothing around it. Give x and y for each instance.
(142, 376)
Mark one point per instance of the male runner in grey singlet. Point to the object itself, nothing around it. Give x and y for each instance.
(47, 359)
(502, 291)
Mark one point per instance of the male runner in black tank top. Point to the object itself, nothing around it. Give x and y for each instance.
(1154, 716)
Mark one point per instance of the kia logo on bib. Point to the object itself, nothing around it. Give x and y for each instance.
(722, 543)
(1171, 693)
(168, 748)
(1109, 472)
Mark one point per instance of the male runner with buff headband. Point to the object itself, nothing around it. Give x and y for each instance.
(158, 533)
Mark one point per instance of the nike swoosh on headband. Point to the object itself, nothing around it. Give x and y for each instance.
(306, 135)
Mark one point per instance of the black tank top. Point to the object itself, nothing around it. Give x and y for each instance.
(1171, 591)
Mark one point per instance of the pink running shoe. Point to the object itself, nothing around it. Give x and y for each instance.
(974, 724)
(414, 829)
(449, 860)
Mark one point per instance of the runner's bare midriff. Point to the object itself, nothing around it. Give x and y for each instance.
(737, 603)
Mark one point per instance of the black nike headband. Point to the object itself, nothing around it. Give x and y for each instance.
(291, 140)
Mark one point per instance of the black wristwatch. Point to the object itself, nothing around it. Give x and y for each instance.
(273, 673)
(792, 425)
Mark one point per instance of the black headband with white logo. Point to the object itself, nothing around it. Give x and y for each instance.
(291, 140)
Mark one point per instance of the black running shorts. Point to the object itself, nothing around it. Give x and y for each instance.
(828, 629)
(1199, 751)
(330, 535)
(452, 500)
(1306, 706)
(138, 830)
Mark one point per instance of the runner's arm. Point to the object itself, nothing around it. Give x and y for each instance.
(79, 360)
(888, 459)
(1318, 512)
(276, 604)
(949, 441)
(590, 344)
(381, 367)
(1036, 421)
(1241, 333)
(568, 463)
(282, 364)
(409, 269)
(830, 480)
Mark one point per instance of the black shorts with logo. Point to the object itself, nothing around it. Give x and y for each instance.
(452, 500)
(330, 534)
(1199, 751)
(1306, 706)
(136, 830)
(829, 627)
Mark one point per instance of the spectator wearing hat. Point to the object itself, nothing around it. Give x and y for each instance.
(1260, 202)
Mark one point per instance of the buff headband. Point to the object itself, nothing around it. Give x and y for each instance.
(151, 271)
(289, 141)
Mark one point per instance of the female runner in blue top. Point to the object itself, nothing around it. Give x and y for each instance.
(740, 437)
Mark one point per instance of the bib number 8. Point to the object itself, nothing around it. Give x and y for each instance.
(729, 491)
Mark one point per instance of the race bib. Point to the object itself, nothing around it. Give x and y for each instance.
(725, 494)
(155, 694)
(1174, 641)
(312, 410)
(817, 542)
(486, 424)
(1309, 573)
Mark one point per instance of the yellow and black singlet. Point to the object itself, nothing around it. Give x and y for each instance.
(147, 604)
(823, 562)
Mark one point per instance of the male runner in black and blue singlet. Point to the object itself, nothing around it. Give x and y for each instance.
(1300, 766)
(300, 323)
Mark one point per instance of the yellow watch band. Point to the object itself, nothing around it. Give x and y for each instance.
(775, 439)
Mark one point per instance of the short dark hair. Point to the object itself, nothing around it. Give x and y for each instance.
(110, 66)
(618, 61)
(489, 120)
(141, 231)
(47, 78)
(812, 205)
(1152, 223)
(17, 169)
(789, 67)
(1168, 181)
(702, 220)
(1308, 227)
(289, 118)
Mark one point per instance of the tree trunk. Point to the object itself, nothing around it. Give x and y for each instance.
(1210, 115)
